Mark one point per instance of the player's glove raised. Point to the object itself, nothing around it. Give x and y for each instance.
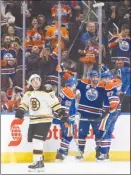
(61, 114)
(19, 113)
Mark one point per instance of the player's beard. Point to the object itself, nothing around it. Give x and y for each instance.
(95, 82)
(7, 44)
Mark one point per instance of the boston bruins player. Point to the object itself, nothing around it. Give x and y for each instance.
(40, 102)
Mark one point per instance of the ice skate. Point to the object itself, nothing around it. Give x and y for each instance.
(80, 155)
(59, 157)
(97, 154)
(103, 158)
(36, 166)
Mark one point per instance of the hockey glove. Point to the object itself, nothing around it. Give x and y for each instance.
(61, 114)
(19, 113)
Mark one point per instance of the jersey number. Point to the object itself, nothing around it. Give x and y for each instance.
(109, 94)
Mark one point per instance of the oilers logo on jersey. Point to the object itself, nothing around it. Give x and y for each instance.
(36, 36)
(124, 46)
(92, 94)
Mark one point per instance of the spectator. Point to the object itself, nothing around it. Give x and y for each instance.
(16, 44)
(15, 100)
(6, 82)
(17, 10)
(119, 64)
(66, 13)
(91, 50)
(34, 35)
(8, 15)
(90, 56)
(123, 73)
(120, 45)
(32, 62)
(11, 33)
(48, 62)
(8, 54)
(120, 14)
(42, 7)
(91, 32)
(52, 36)
(77, 8)
(74, 28)
(42, 24)
(64, 55)
(124, 13)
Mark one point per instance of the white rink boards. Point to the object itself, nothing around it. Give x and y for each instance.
(16, 149)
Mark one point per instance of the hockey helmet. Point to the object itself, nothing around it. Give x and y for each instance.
(71, 81)
(94, 73)
(34, 76)
(107, 74)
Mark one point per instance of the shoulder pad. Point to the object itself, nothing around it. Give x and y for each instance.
(101, 84)
(113, 84)
(86, 81)
(68, 93)
(48, 88)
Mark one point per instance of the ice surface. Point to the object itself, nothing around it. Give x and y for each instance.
(71, 166)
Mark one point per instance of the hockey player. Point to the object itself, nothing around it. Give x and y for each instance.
(67, 98)
(90, 108)
(39, 101)
(111, 102)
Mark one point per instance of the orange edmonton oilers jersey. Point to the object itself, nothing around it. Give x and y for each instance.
(53, 30)
(35, 38)
(91, 54)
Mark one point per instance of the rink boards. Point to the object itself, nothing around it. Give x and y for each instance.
(15, 148)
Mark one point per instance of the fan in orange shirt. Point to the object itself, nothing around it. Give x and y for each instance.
(90, 52)
(52, 36)
(34, 36)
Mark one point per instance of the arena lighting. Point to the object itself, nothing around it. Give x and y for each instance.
(99, 4)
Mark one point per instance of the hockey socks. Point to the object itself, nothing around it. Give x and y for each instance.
(37, 150)
(38, 159)
(64, 145)
(81, 144)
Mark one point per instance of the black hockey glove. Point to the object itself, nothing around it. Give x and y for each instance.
(62, 114)
(19, 113)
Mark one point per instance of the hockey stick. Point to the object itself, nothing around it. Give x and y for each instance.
(110, 122)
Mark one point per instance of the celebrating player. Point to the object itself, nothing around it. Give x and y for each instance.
(90, 108)
(111, 102)
(39, 101)
(67, 98)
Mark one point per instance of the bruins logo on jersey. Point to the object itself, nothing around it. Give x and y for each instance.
(35, 104)
(92, 94)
